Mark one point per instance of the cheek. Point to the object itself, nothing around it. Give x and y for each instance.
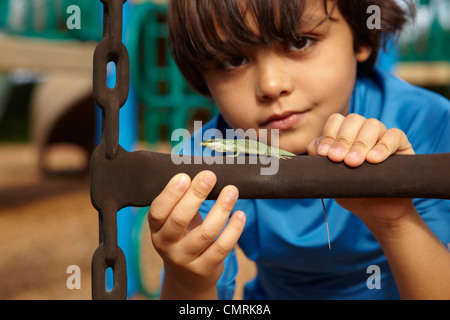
(340, 79)
(337, 81)
(234, 116)
(234, 102)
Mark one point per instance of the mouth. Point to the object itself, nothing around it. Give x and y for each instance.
(284, 121)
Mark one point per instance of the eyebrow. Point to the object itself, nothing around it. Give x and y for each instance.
(314, 21)
(229, 39)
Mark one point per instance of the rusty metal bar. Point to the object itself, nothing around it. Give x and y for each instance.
(136, 178)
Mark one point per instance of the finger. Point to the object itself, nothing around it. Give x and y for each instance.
(346, 137)
(367, 138)
(187, 208)
(313, 146)
(227, 240)
(329, 133)
(166, 201)
(393, 141)
(215, 221)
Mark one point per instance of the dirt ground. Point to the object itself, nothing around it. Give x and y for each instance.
(48, 224)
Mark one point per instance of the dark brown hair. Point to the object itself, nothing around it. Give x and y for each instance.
(195, 40)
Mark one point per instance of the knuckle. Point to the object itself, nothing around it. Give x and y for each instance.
(224, 206)
(207, 236)
(360, 145)
(344, 140)
(383, 146)
(374, 122)
(355, 116)
(396, 133)
(327, 139)
(155, 217)
(178, 221)
(336, 116)
(200, 192)
(220, 251)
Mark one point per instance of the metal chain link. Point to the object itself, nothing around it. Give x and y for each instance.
(110, 100)
(111, 49)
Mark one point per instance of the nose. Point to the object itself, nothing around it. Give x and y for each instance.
(272, 77)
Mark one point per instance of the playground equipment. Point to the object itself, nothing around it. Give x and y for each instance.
(424, 47)
(121, 179)
(428, 38)
(36, 37)
(167, 98)
(5, 90)
(49, 19)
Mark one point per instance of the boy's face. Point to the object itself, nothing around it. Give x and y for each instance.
(292, 89)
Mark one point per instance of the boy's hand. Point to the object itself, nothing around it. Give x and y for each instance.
(355, 139)
(193, 251)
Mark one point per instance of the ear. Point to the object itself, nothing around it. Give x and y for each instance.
(363, 53)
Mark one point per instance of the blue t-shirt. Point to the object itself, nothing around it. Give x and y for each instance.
(287, 239)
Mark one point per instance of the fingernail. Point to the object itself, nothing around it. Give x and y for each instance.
(182, 182)
(240, 215)
(208, 180)
(233, 194)
(323, 148)
(336, 150)
(353, 155)
(373, 154)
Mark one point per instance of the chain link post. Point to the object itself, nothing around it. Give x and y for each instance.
(110, 100)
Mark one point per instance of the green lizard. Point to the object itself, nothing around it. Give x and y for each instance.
(246, 146)
(252, 147)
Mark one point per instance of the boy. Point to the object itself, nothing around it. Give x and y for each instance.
(307, 69)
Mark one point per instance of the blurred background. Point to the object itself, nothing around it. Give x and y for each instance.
(49, 126)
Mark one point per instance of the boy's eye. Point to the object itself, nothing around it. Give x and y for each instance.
(301, 44)
(234, 62)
